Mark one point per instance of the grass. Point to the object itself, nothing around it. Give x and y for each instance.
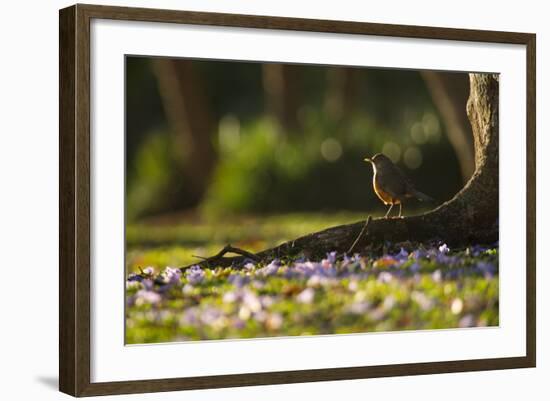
(406, 287)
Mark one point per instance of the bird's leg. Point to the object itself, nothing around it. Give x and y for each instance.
(400, 209)
(389, 210)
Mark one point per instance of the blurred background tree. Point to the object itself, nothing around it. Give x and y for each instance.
(210, 138)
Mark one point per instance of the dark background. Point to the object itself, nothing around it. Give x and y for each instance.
(218, 138)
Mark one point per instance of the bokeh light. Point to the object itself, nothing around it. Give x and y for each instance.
(432, 127)
(229, 131)
(413, 157)
(331, 150)
(418, 134)
(392, 150)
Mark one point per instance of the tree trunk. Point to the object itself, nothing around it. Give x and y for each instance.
(471, 216)
(186, 108)
(280, 82)
(450, 94)
(341, 93)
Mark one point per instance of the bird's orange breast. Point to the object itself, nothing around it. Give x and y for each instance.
(383, 195)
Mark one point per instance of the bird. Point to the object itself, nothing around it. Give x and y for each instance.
(391, 185)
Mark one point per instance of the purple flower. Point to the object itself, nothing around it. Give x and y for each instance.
(170, 276)
(134, 277)
(419, 253)
(239, 324)
(190, 316)
(147, 297)
(211, 316)
(402, 255)
(330, 260)
(488, 269)
(441, 255)
(195, 275)
(476, 250)
(238, 280)
(309, 269)
(415, 267)
(270, 269)
(147, 284)
(251, 301)
(467, 321)
(149, 271)
(249, 266)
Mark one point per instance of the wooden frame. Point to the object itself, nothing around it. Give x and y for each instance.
(74, 295)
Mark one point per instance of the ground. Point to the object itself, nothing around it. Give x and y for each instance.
(403, 286)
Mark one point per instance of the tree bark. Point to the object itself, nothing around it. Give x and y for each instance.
(471, 216)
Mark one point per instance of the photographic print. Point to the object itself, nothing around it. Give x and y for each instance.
(269, 187)
(276, 200)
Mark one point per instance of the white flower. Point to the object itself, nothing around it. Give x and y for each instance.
(306, 296)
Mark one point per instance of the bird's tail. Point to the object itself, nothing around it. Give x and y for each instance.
(422, 196)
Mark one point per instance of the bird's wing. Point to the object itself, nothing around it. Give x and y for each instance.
(395, 182)
(410, 190)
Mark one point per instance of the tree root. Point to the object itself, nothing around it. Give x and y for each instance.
(470, 217)
(360, 234)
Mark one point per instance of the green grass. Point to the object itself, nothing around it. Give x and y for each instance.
(417, 287)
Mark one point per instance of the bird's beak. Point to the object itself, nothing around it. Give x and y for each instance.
(368, 160)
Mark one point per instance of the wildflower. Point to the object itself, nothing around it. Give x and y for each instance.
(270, 269)
(467, 321)
(382, 310)
(239, 324)
(402, 255)
(329, 261)
(456, 306)
(190, 316)
(488, 269)
(415, 267)
(306, 296)
(147, 297)
(230, 297)
(249, 266)
(437, 276)
(147, 284)
(170, 276)
(419, 253)
(187, 289)
(195, 275)
(133, 277)
(359, 308)
(385, 277)
(238, 280)
(213, 317)
(425, 302)
(133, 285)
(149, 271)
(251, 301)
(274, 321)
(385, 261)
